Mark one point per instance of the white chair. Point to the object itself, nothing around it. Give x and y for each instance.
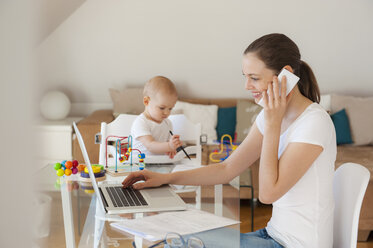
(121, 126)
(350, 183)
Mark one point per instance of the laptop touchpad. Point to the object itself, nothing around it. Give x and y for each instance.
(159, 193)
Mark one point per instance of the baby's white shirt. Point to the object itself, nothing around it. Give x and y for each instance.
(143, 126)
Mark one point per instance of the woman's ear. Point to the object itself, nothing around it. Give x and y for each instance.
(146, 100)
(288, 67)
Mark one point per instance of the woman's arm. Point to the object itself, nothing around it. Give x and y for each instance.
(244, 156)
(276, 177)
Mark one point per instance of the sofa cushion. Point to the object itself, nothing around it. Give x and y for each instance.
(359, 111)
(247, 112)
(226, 122)
(127, 101)
(207, 115)
(342, 127)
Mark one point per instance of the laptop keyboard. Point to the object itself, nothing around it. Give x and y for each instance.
(127, 197)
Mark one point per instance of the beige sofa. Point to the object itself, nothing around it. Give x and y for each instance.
(363, 155)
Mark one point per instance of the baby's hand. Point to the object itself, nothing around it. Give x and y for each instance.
(171, 154)
(175, 142)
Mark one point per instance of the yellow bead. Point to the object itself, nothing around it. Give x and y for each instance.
(68, 172)
(60, 172)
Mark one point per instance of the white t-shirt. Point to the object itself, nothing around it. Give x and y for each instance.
(143, 126)
(303, 217)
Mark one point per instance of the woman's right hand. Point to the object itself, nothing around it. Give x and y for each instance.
(150, 178)
(274, 103)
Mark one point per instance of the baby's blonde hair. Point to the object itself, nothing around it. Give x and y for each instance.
(159, 84)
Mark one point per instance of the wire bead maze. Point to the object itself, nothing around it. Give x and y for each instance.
(229, 146)
(123, 148)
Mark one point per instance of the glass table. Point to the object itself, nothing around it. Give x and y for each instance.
(73, 221)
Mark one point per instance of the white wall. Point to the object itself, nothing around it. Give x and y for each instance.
(199, 45)
(16, 108)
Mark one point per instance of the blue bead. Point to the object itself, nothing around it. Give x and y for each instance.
(141, 155)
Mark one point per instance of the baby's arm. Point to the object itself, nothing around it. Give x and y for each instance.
(160, 147)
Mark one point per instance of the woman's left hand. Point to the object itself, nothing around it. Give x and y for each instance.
(274, 103)
(150, 178)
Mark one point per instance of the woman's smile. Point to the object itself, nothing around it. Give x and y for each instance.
(257, 94)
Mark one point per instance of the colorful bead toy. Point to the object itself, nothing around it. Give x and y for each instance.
(68, 167)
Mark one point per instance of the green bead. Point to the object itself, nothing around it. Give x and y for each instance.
(57, 166)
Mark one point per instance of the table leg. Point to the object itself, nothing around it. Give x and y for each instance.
(99, 226)
(67, 216)
(138, 240)
(198, 197)
(219, 199)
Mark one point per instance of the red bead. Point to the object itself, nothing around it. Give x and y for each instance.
(75, 163)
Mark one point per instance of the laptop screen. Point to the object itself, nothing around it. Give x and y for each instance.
(88, 163)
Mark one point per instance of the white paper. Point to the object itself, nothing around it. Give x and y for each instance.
(156, 227)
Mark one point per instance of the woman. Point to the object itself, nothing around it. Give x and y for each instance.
(295, 140)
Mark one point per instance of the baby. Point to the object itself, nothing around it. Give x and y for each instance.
(151, 129)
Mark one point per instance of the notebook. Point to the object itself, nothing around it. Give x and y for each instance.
(116, 200)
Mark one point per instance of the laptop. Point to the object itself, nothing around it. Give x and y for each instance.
(117, 200)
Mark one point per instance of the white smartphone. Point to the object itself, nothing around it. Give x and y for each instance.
(291, 80)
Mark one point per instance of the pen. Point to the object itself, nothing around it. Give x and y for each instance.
(181, 148)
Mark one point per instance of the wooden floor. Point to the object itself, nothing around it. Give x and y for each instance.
(262, 214)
